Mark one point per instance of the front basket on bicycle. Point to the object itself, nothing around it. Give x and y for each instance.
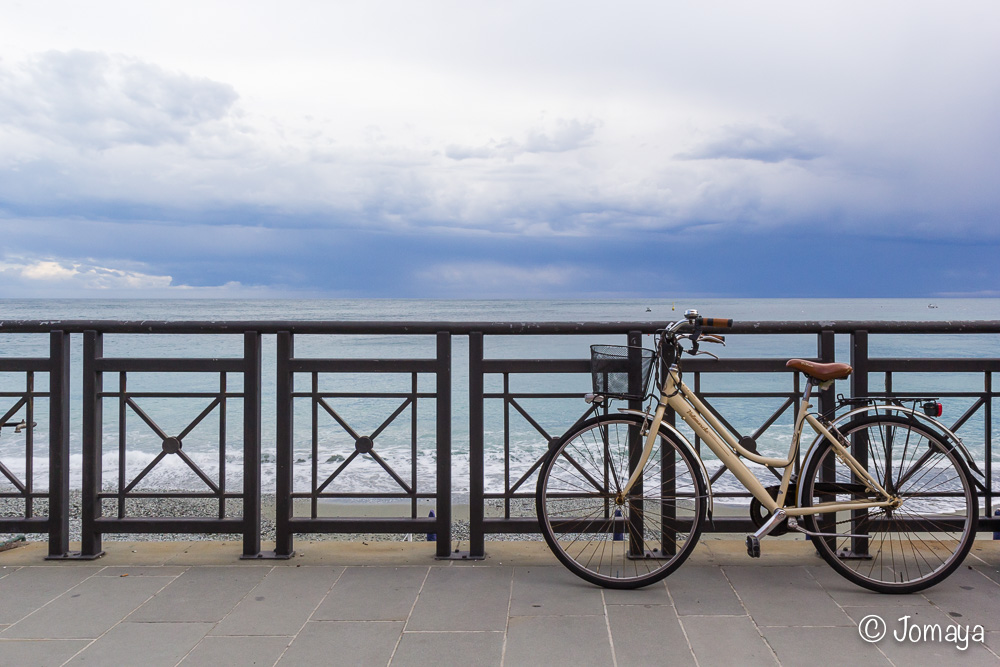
(612, 366)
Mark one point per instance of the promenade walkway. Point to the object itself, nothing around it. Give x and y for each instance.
(336, 603)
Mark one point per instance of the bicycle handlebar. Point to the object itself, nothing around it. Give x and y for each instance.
(697, 321)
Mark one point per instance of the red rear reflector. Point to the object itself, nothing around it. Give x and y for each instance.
(933, 409)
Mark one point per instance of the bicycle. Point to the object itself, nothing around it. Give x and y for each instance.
(885, 492)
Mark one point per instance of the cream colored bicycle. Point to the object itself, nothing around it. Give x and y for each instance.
(884, 491)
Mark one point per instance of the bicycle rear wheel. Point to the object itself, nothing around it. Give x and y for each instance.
(893, 550)
(612, 540)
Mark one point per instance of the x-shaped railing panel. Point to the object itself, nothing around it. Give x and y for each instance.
(364, 444)
(172, 444)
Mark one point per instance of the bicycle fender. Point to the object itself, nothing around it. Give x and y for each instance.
(672, 430)
(948, 434)
(949, 437)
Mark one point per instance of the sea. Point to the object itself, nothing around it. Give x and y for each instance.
(406, 442)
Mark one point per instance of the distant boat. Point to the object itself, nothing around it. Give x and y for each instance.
(649, 310)
(931, 305)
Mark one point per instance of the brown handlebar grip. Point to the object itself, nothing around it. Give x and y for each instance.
(716, 322)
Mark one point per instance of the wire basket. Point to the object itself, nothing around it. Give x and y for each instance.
(609, 366)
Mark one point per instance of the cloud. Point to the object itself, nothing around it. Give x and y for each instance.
(99, 101)
(56, 277)
(80, 275)
(497, 278)
(761, 143)
(561, 137)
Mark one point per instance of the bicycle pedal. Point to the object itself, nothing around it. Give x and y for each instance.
(753, 546)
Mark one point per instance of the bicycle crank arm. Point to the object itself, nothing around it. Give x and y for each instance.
(753, 541)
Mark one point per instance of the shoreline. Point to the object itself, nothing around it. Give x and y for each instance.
(209, 507)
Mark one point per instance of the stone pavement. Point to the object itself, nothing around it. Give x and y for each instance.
(195, 603)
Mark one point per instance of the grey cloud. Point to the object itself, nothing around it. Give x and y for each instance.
(760, 143)
(563, 136)
(96, 100)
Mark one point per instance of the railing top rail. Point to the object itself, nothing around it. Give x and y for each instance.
(489, 328)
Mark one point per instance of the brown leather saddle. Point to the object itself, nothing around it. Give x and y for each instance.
(820, 372)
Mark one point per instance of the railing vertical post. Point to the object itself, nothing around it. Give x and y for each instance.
(477, 482)
(827, 353)
(988, 446)
(283, 456)
(859, 360)
(91, 480)
(58, 444)
(635, 444)
(251, 443)
(859, 445)
(443, 392)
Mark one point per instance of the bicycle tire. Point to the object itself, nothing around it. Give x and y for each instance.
(632, 541)
(908, 548)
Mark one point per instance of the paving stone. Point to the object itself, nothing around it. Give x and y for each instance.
(281, 603)
(372, 594)
(697, 589)
(558, 640)
(148, 644)
(547, 591)
(993, 641)
(648, 635)
(87, 610)
(201, 594)
(653, 594)
(767, 595)
(967, 596)
(725, 640)
(455, 648)
(463, 598)
(344, 642)
(216, 651)
(28, 588)
(991, 571)
(35, 653)
(801, 646)
(849, 594)
(142, 571)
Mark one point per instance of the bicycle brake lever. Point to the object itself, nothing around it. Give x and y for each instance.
(713, 338)
(702, 352)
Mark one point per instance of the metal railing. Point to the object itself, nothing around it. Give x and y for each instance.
(107, 505)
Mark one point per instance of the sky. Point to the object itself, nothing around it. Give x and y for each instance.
(523, 149)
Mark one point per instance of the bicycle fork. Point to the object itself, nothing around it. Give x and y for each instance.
(654, 427)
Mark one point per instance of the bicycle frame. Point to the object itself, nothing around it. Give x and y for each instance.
(675, 394)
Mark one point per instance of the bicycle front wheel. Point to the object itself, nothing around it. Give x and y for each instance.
(612, 539)
(901, 549)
